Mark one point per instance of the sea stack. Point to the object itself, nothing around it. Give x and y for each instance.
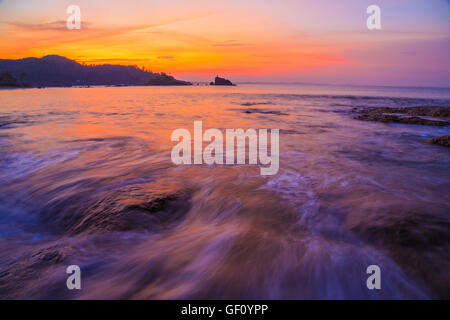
(218, 81)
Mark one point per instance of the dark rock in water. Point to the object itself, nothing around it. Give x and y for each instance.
(413, 115)
(52, 255)
(251, 104)
(442, 141)
(163, 79)
(261, 111)
(222, 82)
(117, 212)
(439, 112)
(275, 112)
(19, 275)
(430, 116)
(414, 237)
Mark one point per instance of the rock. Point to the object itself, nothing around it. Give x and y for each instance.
(163, 79)
(414, 236)
(251, 104)
(51, 255)
(428, 115)
(439, 112)
(222, 82)
(442, 141)
(116, 212)
(262, 111)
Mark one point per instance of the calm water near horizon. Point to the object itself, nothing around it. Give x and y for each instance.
(86, 178)
(351, 90)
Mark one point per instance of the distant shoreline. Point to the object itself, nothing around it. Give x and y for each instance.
(340, 85)
(104, 86)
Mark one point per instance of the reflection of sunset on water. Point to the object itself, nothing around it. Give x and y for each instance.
(89, 176)
(307, 41)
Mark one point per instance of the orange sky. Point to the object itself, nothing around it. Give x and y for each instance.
(250, 40)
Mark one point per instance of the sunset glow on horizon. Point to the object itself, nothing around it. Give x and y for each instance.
(288, 41)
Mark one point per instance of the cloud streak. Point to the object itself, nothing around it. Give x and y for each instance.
(48, 26)
(232, 44)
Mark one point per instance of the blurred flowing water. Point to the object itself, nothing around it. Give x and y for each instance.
(86, 178)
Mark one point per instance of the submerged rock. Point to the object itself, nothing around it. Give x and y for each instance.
(430, 116)
(415, 237)
(51, 255)
(260, 111)
(442, 141)
(251, 104)
(117, 212)
(274, 112)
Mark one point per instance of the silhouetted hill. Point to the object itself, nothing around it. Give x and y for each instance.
(166, 80)
(8, 81)
(55, 71)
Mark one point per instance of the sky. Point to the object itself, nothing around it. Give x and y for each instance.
(313, 41)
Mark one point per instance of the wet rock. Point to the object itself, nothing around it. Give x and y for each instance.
(116, 212)
(439, 112)
(26, 275)
(261, 111)
(442, 141)
(250, 104)
(416, 238)
(430, 116)
(51, 255)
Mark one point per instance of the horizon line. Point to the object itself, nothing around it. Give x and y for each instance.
(240, 82)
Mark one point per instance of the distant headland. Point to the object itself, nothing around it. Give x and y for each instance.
(8, 81)
(58, 71)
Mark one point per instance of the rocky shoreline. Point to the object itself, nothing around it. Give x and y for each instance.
(423, 115)
(429, 116)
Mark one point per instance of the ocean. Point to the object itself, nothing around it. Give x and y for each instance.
(86, 179)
